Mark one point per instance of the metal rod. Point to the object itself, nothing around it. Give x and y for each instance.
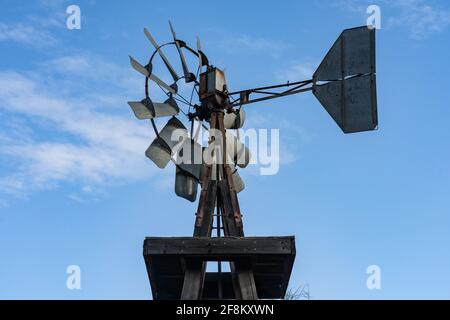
(287, 84)
(272, 97)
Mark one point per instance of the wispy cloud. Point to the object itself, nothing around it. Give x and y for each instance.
(26, 34)
(421, 18)
(113, 83)
(36, 31)
(87, 145)
(296, 71)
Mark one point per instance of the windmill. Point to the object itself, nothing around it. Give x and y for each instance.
(260, 267)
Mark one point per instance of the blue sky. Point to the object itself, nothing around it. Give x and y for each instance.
(76, 188)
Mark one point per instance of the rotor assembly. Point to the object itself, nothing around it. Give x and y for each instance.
(344, 84)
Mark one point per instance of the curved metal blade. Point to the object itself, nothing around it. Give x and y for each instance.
(168, 108)
(238, 152)
(139, 67)
(164, 146)
(146, 109)
(163, 56)
(190, 158)
(162, 83)
(142, 110)
(202, 59)
(199, 49)
(237, 180)
(145, 71)
(187, 74)
(185, 185)
(234, 120)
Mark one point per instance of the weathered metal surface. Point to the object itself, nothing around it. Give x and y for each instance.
(162, 55)
(187, 75)
(330, 96)
(234, 120)
(331, 66)
(351, 103)
(189, 158)
(237, 151)
(185, 185)
(212, 82)
(146, 109)
(239, 184)
(360, 104)
(188, 172)
(139, 67)
(359, 51)
(353, 53)
(160, 151)
(145, 71)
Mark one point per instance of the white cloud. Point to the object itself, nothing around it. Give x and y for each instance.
(109, 148)
(113, 83)
(421, 18)
(27, 34)
(296, 71)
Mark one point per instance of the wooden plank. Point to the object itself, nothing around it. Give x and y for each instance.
(151, 276)
(243, 280)
(271, 260)
(227, 246)
(204, 218)
(229, 222)
(193, 279)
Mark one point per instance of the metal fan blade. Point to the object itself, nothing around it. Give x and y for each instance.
(233, 120)
(187, 75)
(145, 71)
(188, 170)
(185, 185)
(237, 180)
(139, 67)
(166, 109)
(162, 83)
(146, 109)
(238, 152)
(190, 158)
(202, 59)
(141, 110)
(163, 56)
(163, 147)
(200, 62)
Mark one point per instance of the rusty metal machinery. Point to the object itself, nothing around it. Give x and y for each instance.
(345, 85)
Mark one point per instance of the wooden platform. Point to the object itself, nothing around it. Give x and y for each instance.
(271, 259)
